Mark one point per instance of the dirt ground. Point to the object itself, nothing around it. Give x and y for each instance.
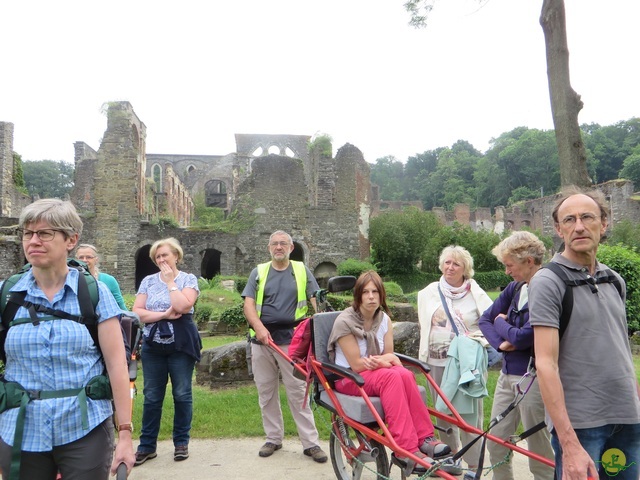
(238, 459)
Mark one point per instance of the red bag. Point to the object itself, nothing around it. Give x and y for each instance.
(301, 342)
(299, 350)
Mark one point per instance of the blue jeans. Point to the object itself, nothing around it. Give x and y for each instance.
(159, 363)
(598, 442)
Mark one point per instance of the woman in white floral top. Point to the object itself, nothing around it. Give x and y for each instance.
(170, 349)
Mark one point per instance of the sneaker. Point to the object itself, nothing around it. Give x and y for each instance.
(451, 467)
(469, 475)
(142, 457)
(316, 453)
(435, 448)
(268, 448)
(181, 453)
(416, 468)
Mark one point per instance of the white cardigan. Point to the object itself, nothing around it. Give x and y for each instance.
(428, 303)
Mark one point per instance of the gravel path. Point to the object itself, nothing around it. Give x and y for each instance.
(238, 459)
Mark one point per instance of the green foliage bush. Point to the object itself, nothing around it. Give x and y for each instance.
(18, 174)
(626, 262)
(234, 316)
(412, 298)
(354, 267)
(203, 284)
(415, 280)
(240, 282)
(492, 280)
(213, 219)
(478, 243)
(626, 233)
(398, 238)
(202, 315)
(129, 300)
(339, 302)
(394, 292)
(322, 144)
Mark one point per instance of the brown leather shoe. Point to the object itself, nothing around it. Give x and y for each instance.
(316, 453)
(268, 448)
(142, 457)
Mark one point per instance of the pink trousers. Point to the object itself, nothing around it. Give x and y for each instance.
(405, 412)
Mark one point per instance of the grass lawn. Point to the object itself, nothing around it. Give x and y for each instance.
(233, 412)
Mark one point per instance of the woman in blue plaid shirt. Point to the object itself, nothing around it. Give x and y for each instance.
(70, 434)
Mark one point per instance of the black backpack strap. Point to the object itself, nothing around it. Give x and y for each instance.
(11, 308)
(567, 300)
(593, 282)
(610, 277)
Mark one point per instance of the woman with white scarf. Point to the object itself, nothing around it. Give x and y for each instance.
(466, 302)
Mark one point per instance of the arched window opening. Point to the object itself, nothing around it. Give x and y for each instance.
(156, 171)
(210, 265)
(215, 192)
(323, 272)
(298, 253)
(144, 264)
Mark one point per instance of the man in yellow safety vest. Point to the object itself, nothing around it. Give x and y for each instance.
(274, 299)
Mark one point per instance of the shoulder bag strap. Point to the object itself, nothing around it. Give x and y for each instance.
(446, 310)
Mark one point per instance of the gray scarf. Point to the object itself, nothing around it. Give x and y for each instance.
(350, 322)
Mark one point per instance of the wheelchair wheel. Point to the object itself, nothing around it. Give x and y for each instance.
(353, 456)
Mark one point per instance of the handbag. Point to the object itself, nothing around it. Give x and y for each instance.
(493, 356)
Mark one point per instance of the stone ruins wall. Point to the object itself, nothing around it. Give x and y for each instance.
(324, 202)
(11, 200)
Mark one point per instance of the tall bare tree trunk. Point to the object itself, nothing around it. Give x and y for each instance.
(565, 102)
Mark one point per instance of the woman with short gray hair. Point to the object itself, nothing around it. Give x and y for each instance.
(506, 326)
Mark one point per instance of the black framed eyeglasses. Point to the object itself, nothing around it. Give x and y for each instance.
(45, 235)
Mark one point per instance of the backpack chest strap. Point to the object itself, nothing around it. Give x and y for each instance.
(31, 395)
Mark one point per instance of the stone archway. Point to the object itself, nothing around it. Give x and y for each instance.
(144, 265)
(298, 252)
(210, 265)
(323, 272)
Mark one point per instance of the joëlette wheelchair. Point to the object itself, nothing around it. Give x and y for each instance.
(359, 437)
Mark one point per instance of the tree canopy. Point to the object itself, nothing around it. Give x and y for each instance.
(48, 178)
(520, 164)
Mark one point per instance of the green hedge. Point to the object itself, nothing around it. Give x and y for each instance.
(234, 316)
(202, 315)
(492, 280)
(240, 282)
(415, 281)
(626, 262)
(354, 267)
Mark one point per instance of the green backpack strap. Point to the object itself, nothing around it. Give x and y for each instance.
(8, 309)
(88, 297)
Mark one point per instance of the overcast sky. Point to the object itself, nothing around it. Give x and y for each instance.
(197, 72)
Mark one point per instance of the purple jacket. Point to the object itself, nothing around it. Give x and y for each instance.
(515, 329)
